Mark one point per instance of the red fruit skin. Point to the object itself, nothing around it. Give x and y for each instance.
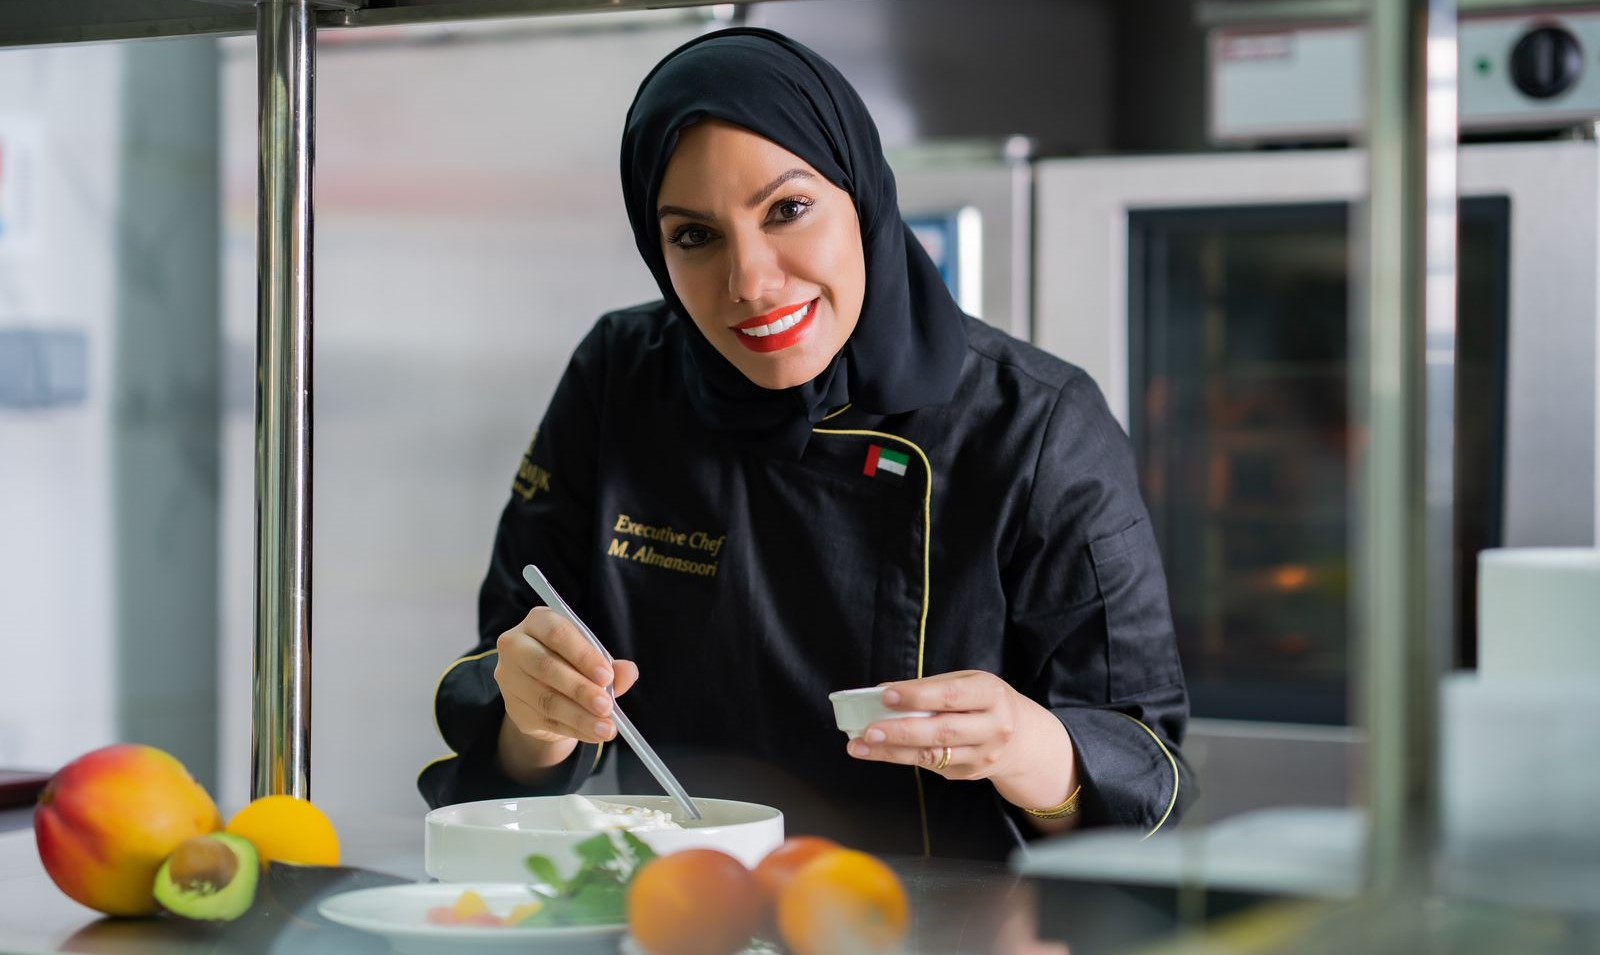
(779, 867)
(107, 820)
(694, 902)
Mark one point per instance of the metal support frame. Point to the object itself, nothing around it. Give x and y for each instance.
(286, 55)
(1408, 335)
(281, 732)
(1408, 331)
(1216, 13)
(33, 22)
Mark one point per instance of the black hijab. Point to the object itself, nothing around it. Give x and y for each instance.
(907, 348)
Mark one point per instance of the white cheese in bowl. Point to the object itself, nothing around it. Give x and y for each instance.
(581, 814)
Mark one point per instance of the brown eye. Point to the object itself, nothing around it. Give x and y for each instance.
(690, 237)
(791, 209)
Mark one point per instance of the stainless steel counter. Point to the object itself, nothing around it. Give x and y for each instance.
(958, 907)
(35, 917)
(13, 819)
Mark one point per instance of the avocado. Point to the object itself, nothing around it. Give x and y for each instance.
(209, 878)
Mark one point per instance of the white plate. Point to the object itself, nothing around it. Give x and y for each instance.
(400, 914)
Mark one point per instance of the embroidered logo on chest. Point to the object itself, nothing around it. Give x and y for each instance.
(664, 547)
(531, 478)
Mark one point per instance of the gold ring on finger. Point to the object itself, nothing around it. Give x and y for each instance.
(945, 761)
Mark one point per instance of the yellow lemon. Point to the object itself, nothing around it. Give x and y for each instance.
(287, 829)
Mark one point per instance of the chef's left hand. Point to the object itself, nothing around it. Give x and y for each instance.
(976, 714)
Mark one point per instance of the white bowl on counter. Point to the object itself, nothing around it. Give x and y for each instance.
(489, 841)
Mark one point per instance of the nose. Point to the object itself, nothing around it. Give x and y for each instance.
(753, 269)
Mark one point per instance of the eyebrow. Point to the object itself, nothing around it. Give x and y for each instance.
(755, 200)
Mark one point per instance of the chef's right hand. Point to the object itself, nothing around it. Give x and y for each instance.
(554, 681)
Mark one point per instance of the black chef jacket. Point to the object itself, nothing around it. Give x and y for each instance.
(1011, 539)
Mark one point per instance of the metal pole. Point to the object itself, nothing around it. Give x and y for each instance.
(1408, 408)
(281, 735)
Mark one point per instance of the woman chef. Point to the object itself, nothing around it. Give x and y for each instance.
(805, 470)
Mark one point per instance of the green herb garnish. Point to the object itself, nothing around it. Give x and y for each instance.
(597, 894)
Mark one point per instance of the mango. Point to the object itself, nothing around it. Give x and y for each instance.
(107, 820)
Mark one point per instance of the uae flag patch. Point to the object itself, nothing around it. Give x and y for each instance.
(880, 459)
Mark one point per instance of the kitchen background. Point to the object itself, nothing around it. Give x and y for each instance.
(469, 230)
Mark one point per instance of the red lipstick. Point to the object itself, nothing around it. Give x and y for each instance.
(772, 316)
(783, 339)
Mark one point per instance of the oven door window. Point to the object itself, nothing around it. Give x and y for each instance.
(1239, 346)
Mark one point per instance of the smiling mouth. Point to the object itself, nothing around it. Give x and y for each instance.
(777, 330)
(777, 322)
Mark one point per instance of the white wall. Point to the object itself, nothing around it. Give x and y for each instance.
(469, 230)
(108, 228)
(57, 683)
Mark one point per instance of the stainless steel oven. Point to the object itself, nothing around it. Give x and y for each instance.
(1209, 295)
(970, 204)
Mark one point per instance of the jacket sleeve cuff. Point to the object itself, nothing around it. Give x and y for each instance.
(469, 711)
(1131, 776)
(475, 775)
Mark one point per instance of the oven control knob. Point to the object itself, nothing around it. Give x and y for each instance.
(1546, 62)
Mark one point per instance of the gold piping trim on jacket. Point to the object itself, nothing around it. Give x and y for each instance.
(437, 728)
(835, 414)
(436, 686)
(1167, 753)
(442, 759)
(927, 543)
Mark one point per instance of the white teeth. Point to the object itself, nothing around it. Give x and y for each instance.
(780, 326)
